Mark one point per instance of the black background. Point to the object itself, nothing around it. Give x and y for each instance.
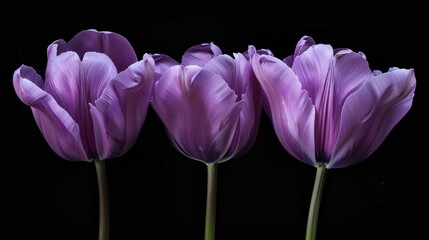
(156, 193)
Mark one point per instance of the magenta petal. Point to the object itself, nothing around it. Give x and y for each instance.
(292, 112)
(119, 113)
(112, 44)
(199, 55)
(199, 111)
(370, 114)
(59, 129)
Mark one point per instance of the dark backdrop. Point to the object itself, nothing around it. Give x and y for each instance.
(156, 193)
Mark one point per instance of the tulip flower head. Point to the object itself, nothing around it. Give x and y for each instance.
(328, 107)
(94, 99)
(210, 104)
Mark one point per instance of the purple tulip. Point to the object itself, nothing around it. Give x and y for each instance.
(210, 104)
(95, 96)
(328, 107)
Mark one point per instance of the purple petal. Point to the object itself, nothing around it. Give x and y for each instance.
(199, 111)
(347, 73)
(252, 105)
(226, 67)
(59, 129)
(292, 112)
(63, 82)
(112, 44)
(75, 84)
(311, 68)
(119, 113)
(239, 75)
(199, 55)
(251, 50)
(303, 44)
(370, 114)
(162, 63)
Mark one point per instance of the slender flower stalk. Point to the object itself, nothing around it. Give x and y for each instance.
(211, 202)
(103, 196)
(316, 198)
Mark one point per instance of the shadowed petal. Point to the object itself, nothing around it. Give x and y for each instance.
(119, 113)
(239, 75)
(162, 63)
(112, 44)
(248, 55)
(59, 129)
(199, 111)
(200, 54)
(370, 114)
(348, 72)
(292, 112)
(251, 50)
(75, 84)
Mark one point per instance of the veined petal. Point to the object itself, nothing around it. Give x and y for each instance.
(119, 113)
(112, 44)
(239, 75)
(226, 67)
(59, 129)
(63, 82)
(200, 54)
(347, 73)
(199, 111)
(303, 44)
(311, 68)
(369, 115)
(292, 112)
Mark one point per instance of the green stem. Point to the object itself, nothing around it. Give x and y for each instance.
(211, 202)
(103, 195)
(316, 197)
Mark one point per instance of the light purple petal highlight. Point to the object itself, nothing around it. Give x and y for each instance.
(311, 68)
(119, 113)
(200, 54)
(293, 114)
(62, 81)
(199, 111)
(59, 129)
(303, 44)
(370, 114)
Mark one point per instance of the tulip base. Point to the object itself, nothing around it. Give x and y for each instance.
(103, 195)
(211, 202)
(316, 197)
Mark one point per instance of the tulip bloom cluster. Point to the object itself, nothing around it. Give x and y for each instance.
(327, 107)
